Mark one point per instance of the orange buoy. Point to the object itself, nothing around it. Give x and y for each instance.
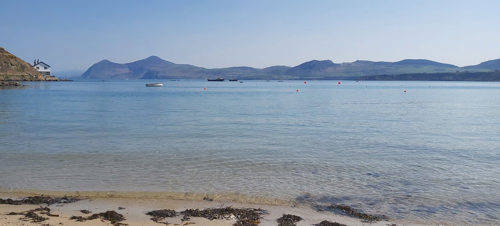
(204, 89)
(305, 82)
(338, 83)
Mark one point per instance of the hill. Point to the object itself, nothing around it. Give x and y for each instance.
(149, 68)
(156, 68)
(447, 76)
(486, 66)
(12, 68)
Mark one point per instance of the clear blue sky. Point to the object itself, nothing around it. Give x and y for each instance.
(72, 35)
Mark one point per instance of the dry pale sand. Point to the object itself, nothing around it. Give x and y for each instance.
(133, 207)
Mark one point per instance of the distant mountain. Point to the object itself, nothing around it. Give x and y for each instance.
(156, 68)
(313, 68)
(13, 68)
(446, 76)
(424, 63)
(150, 68)
(487, 65)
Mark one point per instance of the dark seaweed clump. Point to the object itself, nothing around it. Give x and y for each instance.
(33, 215)
(38, 200)
(328, 223)
(35, 218)
(86, 211)
(246, 216)
(349, 211)
(111, 216)
(159, 215)
(288, 220)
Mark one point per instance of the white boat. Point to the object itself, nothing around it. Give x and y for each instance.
(156, 84)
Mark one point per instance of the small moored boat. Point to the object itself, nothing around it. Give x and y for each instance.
(216, 80)
(156, 84)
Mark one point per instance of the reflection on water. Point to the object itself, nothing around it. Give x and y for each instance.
(431, 153)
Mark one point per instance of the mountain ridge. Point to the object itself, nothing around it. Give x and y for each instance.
(154, 67)
(487, 65)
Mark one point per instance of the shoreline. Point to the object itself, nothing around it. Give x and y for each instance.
(134, 206)
(7, 84)
(188, 196)
(19, 83)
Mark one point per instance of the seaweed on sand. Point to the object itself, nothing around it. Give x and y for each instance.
(159, 215)
(110, 215)
(35, 218)
(86, 211)
(331, 203)
(349, 211)
(328, 223)
(33, 215)
(288, 220)
(244, 216)
(37, 200)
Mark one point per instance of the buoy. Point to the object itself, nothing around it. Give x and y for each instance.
(297, 90)
(305, 82)
(204, 89)
(404, 91)
(338, 83)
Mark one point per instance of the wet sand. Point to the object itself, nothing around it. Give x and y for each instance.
(134, 206)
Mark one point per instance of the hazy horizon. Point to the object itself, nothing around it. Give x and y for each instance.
(216, 34)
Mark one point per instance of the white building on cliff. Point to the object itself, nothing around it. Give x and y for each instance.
(42, 67)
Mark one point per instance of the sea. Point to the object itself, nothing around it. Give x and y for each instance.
(419, 151)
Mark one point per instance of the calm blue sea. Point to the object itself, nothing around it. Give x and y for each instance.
(431, 153)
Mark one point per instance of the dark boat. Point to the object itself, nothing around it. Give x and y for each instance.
(233, 80)
(156, 84)
(216, 80)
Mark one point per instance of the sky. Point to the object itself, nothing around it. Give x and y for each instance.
(73, 35)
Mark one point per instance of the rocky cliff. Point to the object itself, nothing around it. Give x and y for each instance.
(13, 68)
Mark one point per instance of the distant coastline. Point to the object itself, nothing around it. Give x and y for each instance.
(458, 76)
(410, 69)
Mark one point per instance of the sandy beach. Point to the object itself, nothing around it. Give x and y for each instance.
(134, 206)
